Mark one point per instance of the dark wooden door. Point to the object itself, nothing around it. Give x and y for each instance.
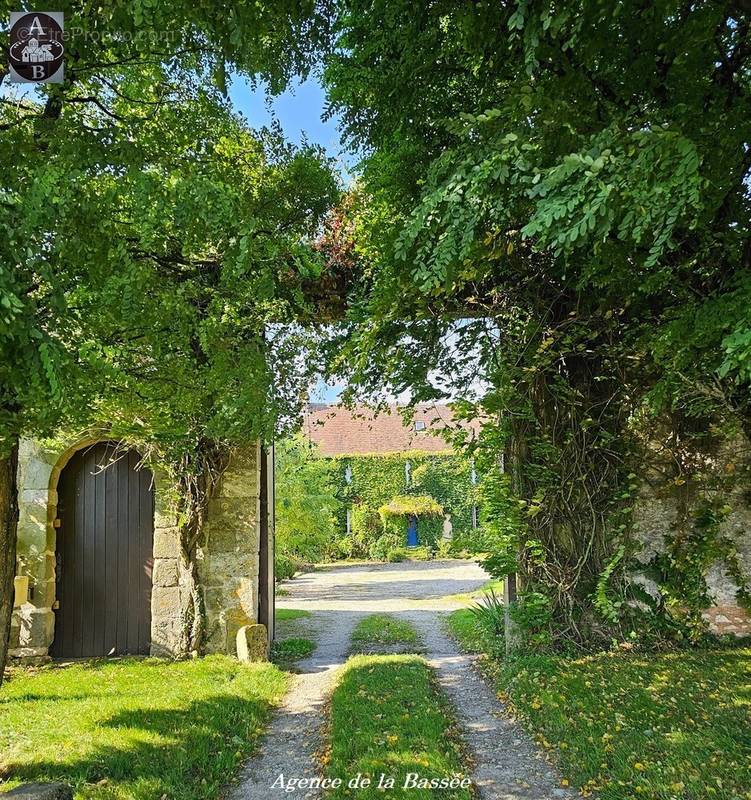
(104, 555)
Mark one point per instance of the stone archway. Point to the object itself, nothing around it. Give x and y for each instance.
(227, 559)
(33, 624)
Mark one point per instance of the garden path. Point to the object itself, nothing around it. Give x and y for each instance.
(507, 765)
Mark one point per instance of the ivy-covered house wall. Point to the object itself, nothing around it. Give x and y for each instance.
(366, 483)
(692, 531)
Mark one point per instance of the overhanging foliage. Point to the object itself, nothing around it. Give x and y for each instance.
(411, 506)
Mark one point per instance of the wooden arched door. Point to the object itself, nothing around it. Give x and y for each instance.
(104, 555)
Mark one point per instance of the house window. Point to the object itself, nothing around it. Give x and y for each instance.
(348, 474)
(419, 425)
(407, 473)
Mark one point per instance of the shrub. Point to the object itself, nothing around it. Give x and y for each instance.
(342, 548)
(286, 566)
(306, 506)
(396, 554)
(380, 548)
(532, 612)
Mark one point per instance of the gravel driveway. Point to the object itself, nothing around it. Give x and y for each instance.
(507, 766)
(369, 588)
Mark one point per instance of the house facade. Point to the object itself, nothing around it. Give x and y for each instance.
(380, 457)
(101, 567)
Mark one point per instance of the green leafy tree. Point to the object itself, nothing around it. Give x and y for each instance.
(306, 505)
(147, 237)
(571, 183)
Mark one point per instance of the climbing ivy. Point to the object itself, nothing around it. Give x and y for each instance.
(377, 478)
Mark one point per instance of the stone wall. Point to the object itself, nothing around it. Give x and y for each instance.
(672, 493)
(166, 591)
(228, 561)
(33, 621)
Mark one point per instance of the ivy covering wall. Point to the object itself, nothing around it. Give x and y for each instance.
(365, 483)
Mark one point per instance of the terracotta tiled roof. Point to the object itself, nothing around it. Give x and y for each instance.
(340, 431)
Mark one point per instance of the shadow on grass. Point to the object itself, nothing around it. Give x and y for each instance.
(186, 753)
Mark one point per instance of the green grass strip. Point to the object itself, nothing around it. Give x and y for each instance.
(388, 717)
(136, 729)
(285, 614)
(383, 629)
(474, 637)
(285, 652)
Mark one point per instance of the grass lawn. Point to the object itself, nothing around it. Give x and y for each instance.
(389, 717)
(383, 629)
(284, 614)
(141, 729)
(465, 627)
(492, 585)
(659, 726)
(285, 652)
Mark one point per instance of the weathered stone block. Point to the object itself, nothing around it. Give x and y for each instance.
(34, 474)
(728, 620)
(165, 637)
(32, 537)
(244, 458)
(42, 791)
(45, 592)
(220, 538)
(37, 626)
(165, 514)
(165, 601)
(218, 567)
(15, 631)
(33, 505)
(237, 513)
(166, 543)
(30, 655)
(252, 643)
(165, 572)
(240, 483)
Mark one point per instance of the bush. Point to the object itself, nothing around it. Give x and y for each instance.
(343, 547)
(286, 566)
(380, 548)
(306, 505)
(532, 613)
(396, 554)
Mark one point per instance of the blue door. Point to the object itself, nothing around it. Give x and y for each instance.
(412, 532)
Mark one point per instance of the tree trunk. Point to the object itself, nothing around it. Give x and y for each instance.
(8, 533)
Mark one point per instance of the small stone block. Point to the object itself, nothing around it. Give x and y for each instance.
(42, 791)
(253, 643)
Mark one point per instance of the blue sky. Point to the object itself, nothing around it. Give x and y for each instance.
(299, 111)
